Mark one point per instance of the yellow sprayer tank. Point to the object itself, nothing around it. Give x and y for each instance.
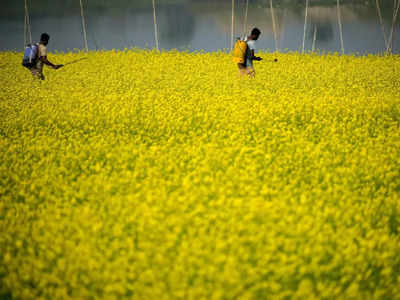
(239, 51)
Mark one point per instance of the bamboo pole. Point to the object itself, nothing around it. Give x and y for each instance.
(394, 24)
(315, 38)
(155, 25)
(274, 25)
(378, 7)
(282, 30)
(233, 22)
(245, 18)
(27, 26)
(340, 25)
(389, 45)
(305, 26)
(396, 7)
(84, 27)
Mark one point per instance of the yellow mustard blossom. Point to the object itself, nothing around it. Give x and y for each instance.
(161, 175)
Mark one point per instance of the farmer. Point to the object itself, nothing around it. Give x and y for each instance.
(247, 67)
(37, 69)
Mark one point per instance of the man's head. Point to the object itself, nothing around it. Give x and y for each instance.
(255, 33)
(44, 38)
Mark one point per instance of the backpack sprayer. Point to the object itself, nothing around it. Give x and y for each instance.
(239, 51)
(31, 56)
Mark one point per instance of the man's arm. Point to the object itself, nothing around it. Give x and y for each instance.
(253, 57)
(47, 62)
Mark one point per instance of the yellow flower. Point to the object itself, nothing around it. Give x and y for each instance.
(146, 175)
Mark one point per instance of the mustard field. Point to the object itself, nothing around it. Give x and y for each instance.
(145, 175)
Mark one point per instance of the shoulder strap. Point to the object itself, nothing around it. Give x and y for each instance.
(241, 49)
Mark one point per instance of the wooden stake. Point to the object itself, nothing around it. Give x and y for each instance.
(396, 7)
(155, 25)
(27, 26)
(282, 30)
(84, 27)
(245, 18)
(340, 25)
(381, 23)
(315, 38)
(274, 25)
(305, 26)
(233, 22)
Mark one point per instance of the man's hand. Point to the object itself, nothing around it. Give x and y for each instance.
(57, 67)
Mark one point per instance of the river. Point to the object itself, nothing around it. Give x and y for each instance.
(196, 25)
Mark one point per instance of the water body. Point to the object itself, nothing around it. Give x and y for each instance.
(198, 24)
